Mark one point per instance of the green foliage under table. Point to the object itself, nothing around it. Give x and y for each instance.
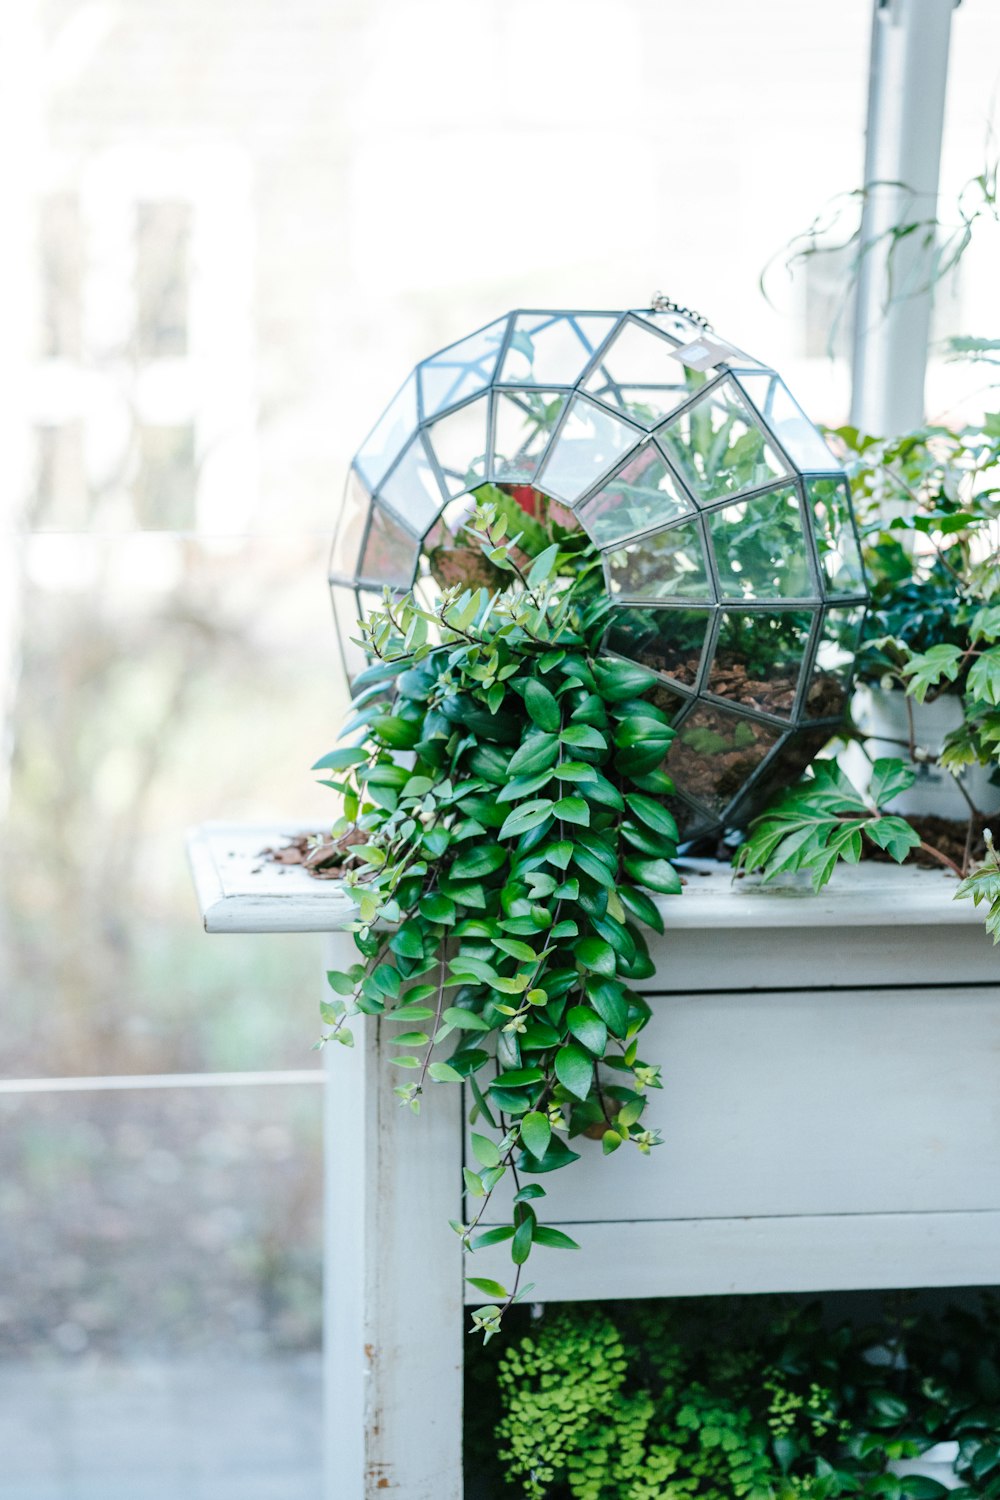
(736, 1399)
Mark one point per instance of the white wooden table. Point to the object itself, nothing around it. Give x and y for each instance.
(830, 1114)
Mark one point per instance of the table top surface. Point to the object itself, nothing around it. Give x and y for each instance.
(240, 890)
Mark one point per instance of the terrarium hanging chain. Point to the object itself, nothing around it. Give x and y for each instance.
(660, 302)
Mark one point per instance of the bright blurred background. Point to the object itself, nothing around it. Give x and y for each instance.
(229, 230)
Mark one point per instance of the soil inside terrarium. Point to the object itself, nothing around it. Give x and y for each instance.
(325, 858)
(731, 679)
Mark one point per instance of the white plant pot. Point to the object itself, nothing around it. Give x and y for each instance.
(883, 717)
(937, 1463)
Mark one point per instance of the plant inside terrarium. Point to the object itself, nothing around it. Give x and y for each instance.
(533, 521)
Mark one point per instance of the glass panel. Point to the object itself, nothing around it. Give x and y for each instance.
(692, 821)
(760, 548)
(390, 552)
(588, 443)
(718, 448)
(793, 756)
(667, 565)
(682, 330)
(667, 640)
(524, 422)
(461, 370)
(345, 615)
(716, 752)
(459, 444)
(412, 490)
(839, 554)
(350, 528)
(390, 434)
(639, 375)
(160, 1255)
(449, 555)
(787, 421)
(758, 658)
(552, 348)
(644, 493)
(831, 678)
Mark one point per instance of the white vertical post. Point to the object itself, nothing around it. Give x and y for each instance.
(909, 71)
(393, 1306)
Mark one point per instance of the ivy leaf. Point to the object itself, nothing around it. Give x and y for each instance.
(488, 1288)
(608, 999)
(572, 810)
(542, 707)
(588, 1028)
(536, 1132)
(655, 816)
(340, 760)
(556, 1157)
(473, 1183)
(584, 737)
(595, 954)
(559, 854)
(443, 1072)
(399, 734)
(526, 817)
(575, 1070)
(523, 952)
(641, 907)
(656, 874)
(537, 753)
(465, 1020)
(486, 1151)
(495, 1236)
(554, 1238)
(438, 908)
(482, 859)
(543, 566)
(618, 680)
(521, 1246)
(533, 1190)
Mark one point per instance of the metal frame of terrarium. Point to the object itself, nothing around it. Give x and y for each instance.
(406, 475)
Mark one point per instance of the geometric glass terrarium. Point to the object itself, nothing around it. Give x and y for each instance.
(725, 525)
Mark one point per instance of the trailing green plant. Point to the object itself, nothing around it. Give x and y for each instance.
(728, 1398)
(506, 782)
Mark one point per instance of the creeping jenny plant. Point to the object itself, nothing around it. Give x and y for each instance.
(508, 782)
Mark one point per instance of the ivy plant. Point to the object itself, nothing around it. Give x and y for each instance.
(508, 784)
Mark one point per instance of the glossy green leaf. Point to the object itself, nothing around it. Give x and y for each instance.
(542, 706)
(536, 1132)
(588, 1028)
(574, 1069)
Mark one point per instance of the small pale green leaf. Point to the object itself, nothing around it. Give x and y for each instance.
(536, 1132)
(486, 1152)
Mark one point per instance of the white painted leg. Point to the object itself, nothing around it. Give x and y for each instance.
(393, 1312)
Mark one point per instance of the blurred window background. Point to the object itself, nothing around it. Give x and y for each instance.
(229, 231)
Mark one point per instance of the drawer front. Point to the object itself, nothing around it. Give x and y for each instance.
(806, 1102)
(767, 958)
